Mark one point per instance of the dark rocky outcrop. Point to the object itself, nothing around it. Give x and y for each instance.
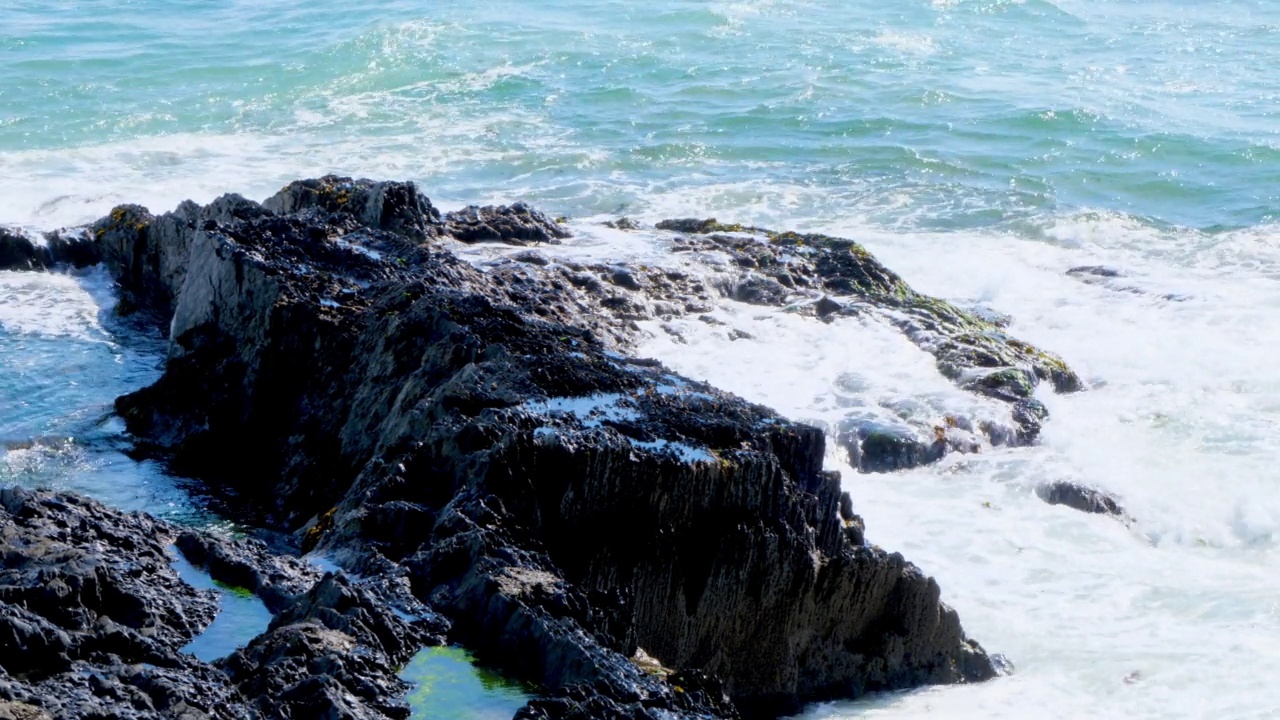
(395, 206)
(20, 252)
(93, 620)
(468, 435)
(476, 444)
(1081, 497)
(516, 224)
(828, 278)
(64, 599)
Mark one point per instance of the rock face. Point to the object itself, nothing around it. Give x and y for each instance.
(516, 224)
(93, 619)
(562, 506)
(20, 252)
(478, 446)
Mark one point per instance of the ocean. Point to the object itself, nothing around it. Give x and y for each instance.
(980, 148)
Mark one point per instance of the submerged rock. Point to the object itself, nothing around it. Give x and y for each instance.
(971, 348)
(623, 223)
(1080, 497)
(1119, 281)
(478, 438)
(878, 447)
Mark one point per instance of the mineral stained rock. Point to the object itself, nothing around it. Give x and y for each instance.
(482, 439)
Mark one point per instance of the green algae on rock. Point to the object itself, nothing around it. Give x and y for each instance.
(975, 352)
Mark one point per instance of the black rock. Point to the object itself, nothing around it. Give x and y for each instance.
(93, 620)
(516, 224)
(393, 206)
(555, 502)
(1080, 497)
(478, 446)
(19, 252)
(304, 665)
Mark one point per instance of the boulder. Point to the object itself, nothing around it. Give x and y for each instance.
(1080, 497)
(516, 224)
(397, 207)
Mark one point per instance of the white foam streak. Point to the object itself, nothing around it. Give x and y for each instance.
(53, 305)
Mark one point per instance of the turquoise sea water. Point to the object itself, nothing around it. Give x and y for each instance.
(980, 147)
(940, 115)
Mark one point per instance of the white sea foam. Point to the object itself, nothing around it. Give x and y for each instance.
(53, 304)
(1180, 422)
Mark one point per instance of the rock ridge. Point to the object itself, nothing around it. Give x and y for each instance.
(478, 444)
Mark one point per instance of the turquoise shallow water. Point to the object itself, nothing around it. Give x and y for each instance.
(980, 147)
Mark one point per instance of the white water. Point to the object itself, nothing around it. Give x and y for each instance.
(1175, 616)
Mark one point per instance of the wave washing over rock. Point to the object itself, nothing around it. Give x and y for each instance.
(480, 451)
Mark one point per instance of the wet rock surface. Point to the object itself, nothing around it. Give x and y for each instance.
(19, 251)
(840, 277)
(1081, 497)
(93, 620)
(516, 224)
(827, 278)
(476, 444)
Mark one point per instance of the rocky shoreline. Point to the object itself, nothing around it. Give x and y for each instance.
(479, 448)
(93, 619)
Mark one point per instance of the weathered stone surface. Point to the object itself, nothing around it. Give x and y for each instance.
(516, 224)
(20, 252)
(93, 621)
(92, 616)
(307, 664)
(248, 564)
(59, 590)
(1080, 497)
(393, 206)
(559, 504)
